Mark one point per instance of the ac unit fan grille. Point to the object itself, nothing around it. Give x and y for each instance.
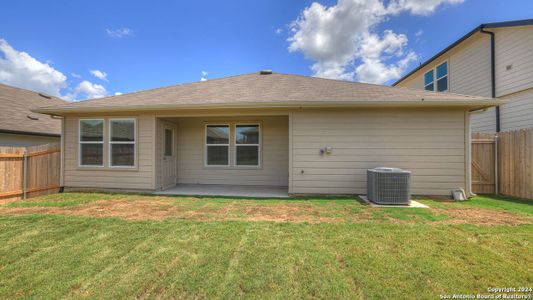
(388, 186)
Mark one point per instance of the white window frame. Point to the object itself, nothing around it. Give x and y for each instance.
(206, 145)
(447, 77)
(80, 142)
(435, 79)
(110, 143)
(235, 145)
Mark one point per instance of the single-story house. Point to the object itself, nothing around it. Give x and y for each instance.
(19, 126)
(309, 135)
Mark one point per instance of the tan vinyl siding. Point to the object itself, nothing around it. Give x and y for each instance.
(483, 121)
(518, 113)
(469, 68)
(514, 47)
(83, 177)
(430, 143)
(414, 82)
(470, 75)
(274, 147)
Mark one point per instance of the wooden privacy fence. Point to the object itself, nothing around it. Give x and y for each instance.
(29, 171)
(503, 163)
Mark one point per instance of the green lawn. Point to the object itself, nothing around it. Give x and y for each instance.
(84, 245)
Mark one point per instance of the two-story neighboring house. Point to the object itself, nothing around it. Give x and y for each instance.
(492, 60)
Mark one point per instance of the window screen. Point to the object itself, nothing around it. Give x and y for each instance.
(91, 142)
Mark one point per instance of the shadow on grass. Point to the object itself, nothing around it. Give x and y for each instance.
(508, 199)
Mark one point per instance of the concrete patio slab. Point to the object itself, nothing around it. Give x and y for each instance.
(414, 204)
(226, 190)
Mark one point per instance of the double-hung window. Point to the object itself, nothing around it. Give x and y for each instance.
(438, 77)
(122, 142)
(247, 142)
(217, 145)
(91, 142)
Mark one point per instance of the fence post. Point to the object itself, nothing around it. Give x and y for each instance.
(496, 158)
(24, 175)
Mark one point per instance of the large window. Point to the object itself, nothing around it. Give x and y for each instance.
(438, 75)
(91, 150)
(247, 145)
(217, 145)
(122, 142)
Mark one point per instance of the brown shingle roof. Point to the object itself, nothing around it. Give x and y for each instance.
(15, 114)
(266, 91)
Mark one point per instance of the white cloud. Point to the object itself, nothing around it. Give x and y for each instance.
(419, 33)
(99, 74)
(119, 32)
(88, 90)
(278, 30)
(118, 93)
(204, 76)
(419, 7)
(341, 41)
(374, 51)
(19, 69)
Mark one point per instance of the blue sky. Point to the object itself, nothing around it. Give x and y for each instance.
(52, 46)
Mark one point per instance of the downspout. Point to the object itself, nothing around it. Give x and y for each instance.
(492, 73)
(493, 94)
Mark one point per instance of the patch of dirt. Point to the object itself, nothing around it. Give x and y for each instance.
(480, 216)
(161, 209)
(283, 213)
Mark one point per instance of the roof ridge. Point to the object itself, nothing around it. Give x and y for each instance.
(164, 87)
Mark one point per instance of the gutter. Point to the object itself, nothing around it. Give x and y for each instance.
(493, 73)
(474, 104)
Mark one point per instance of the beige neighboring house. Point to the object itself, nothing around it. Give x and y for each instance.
(19, 126)
(493, 60)
(307, 135)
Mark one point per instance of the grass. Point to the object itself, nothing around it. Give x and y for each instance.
(510, 204)
(367, 255)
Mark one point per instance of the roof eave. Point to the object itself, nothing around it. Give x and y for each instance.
(471, 104)
(23, 132)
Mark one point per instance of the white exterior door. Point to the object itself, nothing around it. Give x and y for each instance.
(168, 154)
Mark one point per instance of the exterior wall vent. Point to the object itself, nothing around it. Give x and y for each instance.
(389, 186)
